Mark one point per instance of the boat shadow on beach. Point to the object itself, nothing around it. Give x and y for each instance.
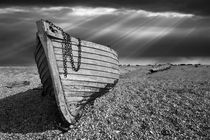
(28, 112)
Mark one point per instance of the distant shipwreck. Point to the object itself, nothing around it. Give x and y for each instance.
(73, 70)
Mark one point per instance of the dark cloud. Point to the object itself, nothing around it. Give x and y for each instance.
(199, 7)
(134, 34)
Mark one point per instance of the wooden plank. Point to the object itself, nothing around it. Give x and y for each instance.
(85, 43)
(75, 99)
(44, 72)
(87, 78)
(86, 49)
(38, 47)
(107, 67)
(43, 65)
(86, 75)
(91, 67)
(80, 88)
(41, 61)
(90, 62)
(75, 57)
(43, 69)
(45, 76)
(79, 94)
(39, 55)
(88, 72)
(89, 55)
(94, 45)
(46, 43)
(83, 83)
(90, 52)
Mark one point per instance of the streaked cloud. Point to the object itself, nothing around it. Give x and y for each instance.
(91, 11)
(12, 10)
(134, 33)
(164, 14)
(198, 7)
(88, 11)
(51, 9)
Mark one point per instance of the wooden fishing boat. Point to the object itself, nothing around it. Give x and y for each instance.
(73, 70)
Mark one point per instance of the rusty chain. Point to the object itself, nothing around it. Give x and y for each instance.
(67, 50)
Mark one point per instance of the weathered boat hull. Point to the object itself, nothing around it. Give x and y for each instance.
(99, 70)
(43, 68)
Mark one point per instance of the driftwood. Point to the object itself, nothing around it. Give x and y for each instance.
(17, 84)
(159, 68)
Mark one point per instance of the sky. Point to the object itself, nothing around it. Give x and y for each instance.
(141, 31)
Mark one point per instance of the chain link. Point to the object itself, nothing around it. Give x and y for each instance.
(67, 50)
